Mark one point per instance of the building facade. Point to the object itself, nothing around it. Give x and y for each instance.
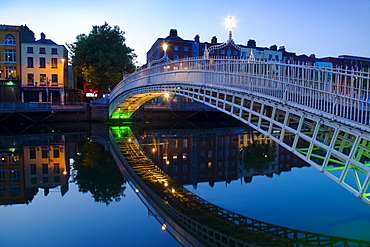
(44, 71)
(10, 66)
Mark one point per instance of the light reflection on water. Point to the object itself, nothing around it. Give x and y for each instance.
(302, 198)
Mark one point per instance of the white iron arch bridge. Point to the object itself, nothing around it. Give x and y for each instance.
(321, 114)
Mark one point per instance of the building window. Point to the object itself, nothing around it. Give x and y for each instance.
(56, 179)
(2, 176)
(44, 152)
(56, 152)
(54, 51)
(14, 175)
(54, 63)
(174, 143)
(174, 156)
(42, 62)
(33, 180)
(33, 169)
(186, 48)
(29, 62)
(184, 156)
(186, 57)
(10, 72)
(184, 168)
(175, 57)
(30, 79)
(9, 39)
(29, 49)
(209, 154)
(2, 191)
(32, 152)
(174, 168)
(42, 79)
(15, 190)
(45, 169)
(9, 55)
(42, 50)
(176, 48)
(209, 164)
(54, 82)
(184, 143)
(45, 180)
(56, 168)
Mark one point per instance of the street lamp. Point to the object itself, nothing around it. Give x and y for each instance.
(164, 58)
(230, 24)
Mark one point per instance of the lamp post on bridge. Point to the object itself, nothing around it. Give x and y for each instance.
(165, 56)
(230, 24)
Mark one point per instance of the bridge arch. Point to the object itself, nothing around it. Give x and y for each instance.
(296, 106)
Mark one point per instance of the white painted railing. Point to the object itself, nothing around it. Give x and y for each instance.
(338, 94)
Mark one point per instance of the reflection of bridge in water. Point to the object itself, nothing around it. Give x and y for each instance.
(319, 114)
(196, 221)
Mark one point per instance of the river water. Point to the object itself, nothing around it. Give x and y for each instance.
(59, 185)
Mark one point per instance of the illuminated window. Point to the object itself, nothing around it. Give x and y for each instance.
(174, 156)
(184, 156)
(9, 39)
(30, 79)
(209, 164)
(10, 72)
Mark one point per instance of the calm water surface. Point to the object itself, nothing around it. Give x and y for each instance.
(297, 196)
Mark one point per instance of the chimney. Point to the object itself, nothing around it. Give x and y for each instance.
(214, 40)
(173, 32)
(251, 43)
(43, 37)
(197, 38)
(273, 47)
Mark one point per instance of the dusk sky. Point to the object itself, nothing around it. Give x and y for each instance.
(321, 27)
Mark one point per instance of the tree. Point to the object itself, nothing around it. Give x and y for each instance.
(96, 171)
(258, 156)
(102, 58)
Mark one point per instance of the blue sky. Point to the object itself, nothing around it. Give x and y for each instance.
(322, 27)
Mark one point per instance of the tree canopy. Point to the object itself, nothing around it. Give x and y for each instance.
(95, 171)
(102, 58)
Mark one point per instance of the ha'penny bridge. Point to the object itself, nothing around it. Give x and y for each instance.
(194, 221)
(320, 114)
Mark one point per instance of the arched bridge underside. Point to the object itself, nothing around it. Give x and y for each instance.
(307, 110)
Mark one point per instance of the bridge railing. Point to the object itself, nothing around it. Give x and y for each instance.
(339, 93)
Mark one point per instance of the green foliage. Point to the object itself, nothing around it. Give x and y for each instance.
(258, 156)
(102, 58)
(95, 171)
